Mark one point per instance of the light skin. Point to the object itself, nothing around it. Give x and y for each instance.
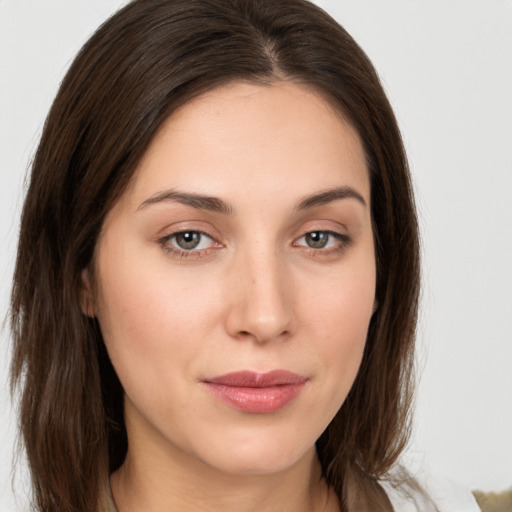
(277, 271)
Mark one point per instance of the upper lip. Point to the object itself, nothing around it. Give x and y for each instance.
(252, 379)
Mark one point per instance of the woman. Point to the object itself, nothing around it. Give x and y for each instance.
(215, 295)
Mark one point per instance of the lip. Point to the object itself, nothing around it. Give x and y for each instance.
(255, 392)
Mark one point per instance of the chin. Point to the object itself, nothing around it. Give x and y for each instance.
(268, 456)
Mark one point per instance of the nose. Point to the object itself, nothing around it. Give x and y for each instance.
(260, 305)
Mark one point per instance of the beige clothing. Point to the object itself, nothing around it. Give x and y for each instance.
(108, 502)
(450, 498)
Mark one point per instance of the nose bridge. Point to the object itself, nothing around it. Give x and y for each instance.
(260, 305)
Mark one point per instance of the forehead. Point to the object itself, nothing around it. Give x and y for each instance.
(244, 135)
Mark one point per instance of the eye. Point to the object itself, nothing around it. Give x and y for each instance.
(323, 240)
(187, 241)
(317, 239)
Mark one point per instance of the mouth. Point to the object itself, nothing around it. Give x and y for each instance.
(257, 393)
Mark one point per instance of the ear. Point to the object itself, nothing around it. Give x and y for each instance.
(86, 295)
(375, 306)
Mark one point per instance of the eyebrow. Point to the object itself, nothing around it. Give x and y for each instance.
(199, 201)
(328, 196)
(214, 204)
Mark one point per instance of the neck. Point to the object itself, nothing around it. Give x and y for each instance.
(154, 481)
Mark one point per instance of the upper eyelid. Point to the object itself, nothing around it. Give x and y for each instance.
(226, 234)
(324, 230)
(181, 231)
(344, 238)
(329, 230)
(341, 237)
(165, 242)
(169, 232)
(209, 234)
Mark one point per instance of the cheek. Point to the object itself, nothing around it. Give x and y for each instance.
(145, 316)
(341, 338)
(153, 335)
(338, 321)
(152, 320)
(343, 305)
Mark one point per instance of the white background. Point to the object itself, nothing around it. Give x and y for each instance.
(447, 67)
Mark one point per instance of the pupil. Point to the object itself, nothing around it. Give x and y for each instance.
(188, 240)
(317, 239)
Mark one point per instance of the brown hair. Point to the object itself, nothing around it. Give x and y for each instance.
(149, 58)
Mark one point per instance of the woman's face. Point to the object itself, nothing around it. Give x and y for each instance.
(242, 247)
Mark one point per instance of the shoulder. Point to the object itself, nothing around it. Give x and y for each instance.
(430, 494)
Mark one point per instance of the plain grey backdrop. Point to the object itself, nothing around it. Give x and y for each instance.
(447, 68)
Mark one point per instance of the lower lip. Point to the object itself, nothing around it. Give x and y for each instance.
(256, 400)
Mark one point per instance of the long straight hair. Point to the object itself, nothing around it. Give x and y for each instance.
(142, 64)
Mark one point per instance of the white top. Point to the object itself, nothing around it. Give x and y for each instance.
(447, 495)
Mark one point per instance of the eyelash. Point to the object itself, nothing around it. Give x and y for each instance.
(344, 242)
(181, 253)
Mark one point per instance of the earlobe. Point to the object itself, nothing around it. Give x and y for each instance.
(86, 295)
(375, 306)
